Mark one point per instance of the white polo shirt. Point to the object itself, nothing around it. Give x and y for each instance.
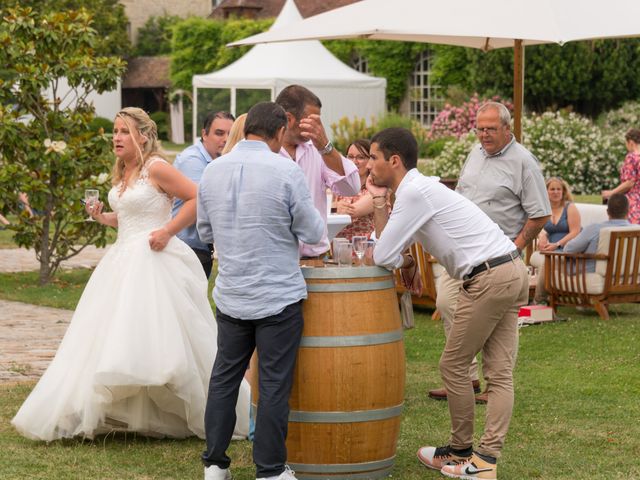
(451, 228)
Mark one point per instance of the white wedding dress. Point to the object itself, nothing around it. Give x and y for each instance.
(138, 353)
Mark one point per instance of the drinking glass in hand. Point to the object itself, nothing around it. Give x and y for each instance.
(91, 196)
(359, 246)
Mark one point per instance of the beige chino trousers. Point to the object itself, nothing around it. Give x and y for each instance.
(485, 320)
(448, 289)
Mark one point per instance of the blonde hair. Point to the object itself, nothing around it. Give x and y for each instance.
(235, 134)
(566, 189)
(138, 120)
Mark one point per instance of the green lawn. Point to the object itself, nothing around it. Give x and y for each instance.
(577, 414)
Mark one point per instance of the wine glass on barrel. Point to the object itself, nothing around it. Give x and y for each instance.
(359, 246)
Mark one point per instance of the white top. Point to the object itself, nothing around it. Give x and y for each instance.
(451, 228)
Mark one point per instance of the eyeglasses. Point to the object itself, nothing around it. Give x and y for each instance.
(358, 157)
(489, 130)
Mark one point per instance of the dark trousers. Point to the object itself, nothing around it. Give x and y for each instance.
(277, 339)
(205, 258)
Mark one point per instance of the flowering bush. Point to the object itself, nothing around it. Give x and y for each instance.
(567, 145)
(346, 130)
(572, 147)
(452, 157)
(623, 118)
(457, 121)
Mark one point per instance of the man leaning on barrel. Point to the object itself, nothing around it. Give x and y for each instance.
(472, 248)
(256, 205)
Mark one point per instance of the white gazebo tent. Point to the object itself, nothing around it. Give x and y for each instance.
(269, 68)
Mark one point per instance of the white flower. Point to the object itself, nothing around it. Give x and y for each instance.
(55, 146)
(102, 178)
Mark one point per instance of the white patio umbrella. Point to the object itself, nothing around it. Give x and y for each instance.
(483, 24)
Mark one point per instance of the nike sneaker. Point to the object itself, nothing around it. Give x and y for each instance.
(438, 457)
(475, 468)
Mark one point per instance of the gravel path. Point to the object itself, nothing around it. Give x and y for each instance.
(30, 334)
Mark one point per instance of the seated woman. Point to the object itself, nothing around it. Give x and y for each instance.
(359, 207)
(563, 225)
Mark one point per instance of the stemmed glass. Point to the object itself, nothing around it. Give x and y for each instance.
(91, 196)
(359, 246)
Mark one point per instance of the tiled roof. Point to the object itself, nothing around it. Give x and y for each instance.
(271, 8)
(147, 72)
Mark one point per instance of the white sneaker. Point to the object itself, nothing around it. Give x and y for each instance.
(288, 474)
(213, 472)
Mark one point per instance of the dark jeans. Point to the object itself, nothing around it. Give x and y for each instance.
(206, 259)
(277, 339)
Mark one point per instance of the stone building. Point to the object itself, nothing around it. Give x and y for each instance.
(139, 11)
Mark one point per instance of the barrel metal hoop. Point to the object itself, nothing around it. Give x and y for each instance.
(349, 287)
(301, 468)
(352, 340)
(334, 273)
(357, 416)
(298, 416)
(349, 476)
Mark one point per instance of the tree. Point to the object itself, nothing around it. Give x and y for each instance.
(108, 19)
(47, 148)
(589, 77)
(154, 38)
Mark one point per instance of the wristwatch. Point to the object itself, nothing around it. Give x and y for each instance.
(328, 148)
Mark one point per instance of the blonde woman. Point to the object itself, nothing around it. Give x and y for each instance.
(235, 134)
(563, 226)
(138, 353)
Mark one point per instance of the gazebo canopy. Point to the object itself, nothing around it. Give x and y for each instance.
(271, 67)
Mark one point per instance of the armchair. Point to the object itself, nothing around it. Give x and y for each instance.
(616, 278)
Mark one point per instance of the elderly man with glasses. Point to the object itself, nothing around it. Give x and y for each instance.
(504, 179)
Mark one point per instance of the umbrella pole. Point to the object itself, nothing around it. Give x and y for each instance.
(518, 87)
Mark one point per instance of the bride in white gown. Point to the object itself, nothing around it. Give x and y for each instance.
(138, 353)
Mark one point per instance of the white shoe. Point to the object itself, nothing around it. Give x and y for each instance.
(213, 472)
(288, 474)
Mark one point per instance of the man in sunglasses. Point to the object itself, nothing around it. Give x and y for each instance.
(504, 179)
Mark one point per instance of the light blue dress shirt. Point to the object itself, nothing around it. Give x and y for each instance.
(256, 205)
(587, 240)
(191, 163)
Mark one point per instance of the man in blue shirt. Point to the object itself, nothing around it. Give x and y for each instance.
(587, 239)
(257, 207)
(192, 162)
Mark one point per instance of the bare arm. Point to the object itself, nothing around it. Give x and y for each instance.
(530, 230)
(175, 184)
(624, 187)
(109, 219)
(361, 207)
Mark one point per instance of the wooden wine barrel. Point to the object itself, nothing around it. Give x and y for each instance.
(349, 381)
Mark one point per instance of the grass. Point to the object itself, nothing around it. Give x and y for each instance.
(576, 413)
(64, 291)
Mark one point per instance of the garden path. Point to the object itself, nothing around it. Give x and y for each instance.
(30, 334)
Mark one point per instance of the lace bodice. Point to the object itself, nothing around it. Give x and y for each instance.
(140, 208)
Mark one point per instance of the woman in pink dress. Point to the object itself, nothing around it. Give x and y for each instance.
(630, 176)
(359, 207)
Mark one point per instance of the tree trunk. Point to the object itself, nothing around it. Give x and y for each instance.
(45, 265)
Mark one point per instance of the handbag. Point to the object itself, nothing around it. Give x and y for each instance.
(406, 310)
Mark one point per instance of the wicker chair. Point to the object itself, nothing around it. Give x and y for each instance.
(616, 278)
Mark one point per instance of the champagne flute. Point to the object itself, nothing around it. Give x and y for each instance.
(91, 196)
(359, 246)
